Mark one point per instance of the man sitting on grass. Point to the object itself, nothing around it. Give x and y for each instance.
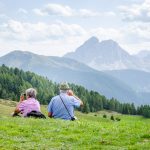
(62, 105)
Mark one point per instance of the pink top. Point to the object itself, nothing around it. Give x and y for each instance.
(29, 105)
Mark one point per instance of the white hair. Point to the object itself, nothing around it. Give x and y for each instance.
(31, 92)
(63, 91)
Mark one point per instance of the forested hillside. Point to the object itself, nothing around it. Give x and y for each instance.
(14, 81)
(59, 69)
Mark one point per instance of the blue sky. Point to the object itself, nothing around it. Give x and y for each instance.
(55, 27)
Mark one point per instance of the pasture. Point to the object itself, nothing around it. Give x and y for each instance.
(90, 132)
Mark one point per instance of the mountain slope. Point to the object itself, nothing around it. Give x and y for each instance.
(139, 81)
(64, 69)
(143, 54)
(107, 55)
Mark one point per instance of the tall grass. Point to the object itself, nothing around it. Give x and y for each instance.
(90, 131)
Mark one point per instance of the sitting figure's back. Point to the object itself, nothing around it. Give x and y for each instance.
(62, 105)
(30, 104)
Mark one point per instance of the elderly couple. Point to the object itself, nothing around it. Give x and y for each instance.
(60, 106)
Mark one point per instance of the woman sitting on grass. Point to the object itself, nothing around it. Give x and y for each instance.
(25, 107)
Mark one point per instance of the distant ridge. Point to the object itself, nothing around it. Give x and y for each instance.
(61, 69)
(108, 55)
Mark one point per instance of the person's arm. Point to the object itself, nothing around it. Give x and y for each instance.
(50, 109)
(70, 93)
(50, 114)
(17, 111)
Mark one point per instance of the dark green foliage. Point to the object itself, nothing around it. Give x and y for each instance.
(112, 118)
(14, 81)
(143, 110)
(118, 119)
(86, 108)
(104, 116)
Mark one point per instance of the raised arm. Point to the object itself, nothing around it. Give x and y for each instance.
(70, 93)
(16, 111)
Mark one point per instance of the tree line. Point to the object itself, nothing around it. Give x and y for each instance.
(14, 81)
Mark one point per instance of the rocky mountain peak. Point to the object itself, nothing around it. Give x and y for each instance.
(92, 40)
(110, 42)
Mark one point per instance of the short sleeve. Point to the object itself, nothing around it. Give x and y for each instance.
(21, 106)
(38, 104)
(50, 106)
(76, 103)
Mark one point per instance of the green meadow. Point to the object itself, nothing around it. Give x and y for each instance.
(90, 132)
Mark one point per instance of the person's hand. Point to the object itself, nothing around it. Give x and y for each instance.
(21, 98)
(70, 93)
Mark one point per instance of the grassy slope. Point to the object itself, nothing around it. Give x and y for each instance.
(89, 132)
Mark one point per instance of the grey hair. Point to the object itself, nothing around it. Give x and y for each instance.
(31, 92)
(63, 91)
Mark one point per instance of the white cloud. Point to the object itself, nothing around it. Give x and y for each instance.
(41, 38)
(60, 10)
(110, 13)
(132, 37)
(25, 31)
(3, 17)
(21, 10)
(135, 37)
(39, 12)
(55, 9)
(88, 13)
(66, 11)
(136, 12)
(58, 38)
(139, 32)
(107, 33)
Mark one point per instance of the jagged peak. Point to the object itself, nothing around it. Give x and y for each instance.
(92, 40)
(109, 41)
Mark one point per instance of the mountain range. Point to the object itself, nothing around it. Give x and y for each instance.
(93, 65)
(138, 80)
(108, 55)
(63, 69)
